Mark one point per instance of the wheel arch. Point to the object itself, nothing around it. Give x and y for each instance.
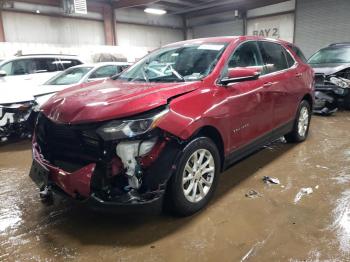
(309, 99)
(214, 134)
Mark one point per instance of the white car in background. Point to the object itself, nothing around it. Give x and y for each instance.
(20, 75)
(78, 75)
(16, 117)
(19, 80)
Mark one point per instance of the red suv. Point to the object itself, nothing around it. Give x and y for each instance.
(165, 128)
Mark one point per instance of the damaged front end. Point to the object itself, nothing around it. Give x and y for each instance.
(332, 92)
(16, 120)
(120, 163)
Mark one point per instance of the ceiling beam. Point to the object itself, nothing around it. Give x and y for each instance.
(180, 2)
(132, 3)
(210, 5)
(240, 5)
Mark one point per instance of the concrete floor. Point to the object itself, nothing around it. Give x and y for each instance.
(272, 227)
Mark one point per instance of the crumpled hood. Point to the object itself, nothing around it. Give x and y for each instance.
(329, 69)
(110, 99)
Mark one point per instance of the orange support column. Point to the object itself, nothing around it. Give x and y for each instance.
(108, 19)
(2, 33)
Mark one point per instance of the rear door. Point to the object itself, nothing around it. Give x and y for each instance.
(250, 108)
(277, 81)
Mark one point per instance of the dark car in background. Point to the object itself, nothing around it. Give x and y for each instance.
(332, 75)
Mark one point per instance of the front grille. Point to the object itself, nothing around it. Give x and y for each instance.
(74, 143)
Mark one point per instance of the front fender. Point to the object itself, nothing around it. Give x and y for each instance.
(191, 112)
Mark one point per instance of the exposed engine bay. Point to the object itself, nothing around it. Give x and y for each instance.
(332, 92)
(16, 120)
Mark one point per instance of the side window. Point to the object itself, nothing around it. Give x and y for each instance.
(22, 67)
(7, 68)
(67, 63)
(290, 59)
(298, 52)
(105, 71)
(274, 56)
(42, 65)
(246, 55)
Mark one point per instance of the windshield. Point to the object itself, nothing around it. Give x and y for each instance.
(69, 77)
(189, 62)
(331, 55)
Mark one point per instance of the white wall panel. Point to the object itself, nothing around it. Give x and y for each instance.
(146, 36)
(272, 9)
(278, 27)
(218, 29)
(32, 28)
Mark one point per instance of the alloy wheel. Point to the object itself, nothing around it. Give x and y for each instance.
(198, 175)
(303, 121)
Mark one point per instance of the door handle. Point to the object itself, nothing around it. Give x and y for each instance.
(299, 75)
(268, 84)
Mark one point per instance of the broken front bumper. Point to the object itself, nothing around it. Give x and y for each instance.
(77, 186)
(16, 120)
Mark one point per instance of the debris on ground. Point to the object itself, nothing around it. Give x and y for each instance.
(252, 194)
(323, 167)
(304, 191)
(316, 187)
(271, 180)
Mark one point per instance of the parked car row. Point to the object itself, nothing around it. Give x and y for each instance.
(163, 129)
(27, 82)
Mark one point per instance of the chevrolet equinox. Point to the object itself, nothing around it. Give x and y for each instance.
(163, 130)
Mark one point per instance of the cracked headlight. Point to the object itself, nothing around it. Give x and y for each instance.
(121, 129)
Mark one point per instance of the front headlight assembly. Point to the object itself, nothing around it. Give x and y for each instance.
(121, 129)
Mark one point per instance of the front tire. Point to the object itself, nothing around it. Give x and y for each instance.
(301, 124)
(196, 177)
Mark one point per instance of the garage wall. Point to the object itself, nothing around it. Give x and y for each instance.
(321, 22)
(135, 28)
(277, 26)
(273, 21)
(218, 29)
(146, 36)
(28, 28)
(222, 24)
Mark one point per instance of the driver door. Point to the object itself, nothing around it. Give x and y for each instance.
(249, 103)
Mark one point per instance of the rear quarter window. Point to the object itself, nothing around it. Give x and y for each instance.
(298, 52)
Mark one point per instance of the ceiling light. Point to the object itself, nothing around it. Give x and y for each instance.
(155, 11)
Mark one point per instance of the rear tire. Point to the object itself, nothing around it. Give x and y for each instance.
(301, 124)
(196, 177)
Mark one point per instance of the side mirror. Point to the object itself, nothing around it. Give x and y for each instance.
(3, 73)
(240, 74)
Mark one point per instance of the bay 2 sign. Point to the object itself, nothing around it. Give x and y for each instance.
(268, 32)
(278, 27)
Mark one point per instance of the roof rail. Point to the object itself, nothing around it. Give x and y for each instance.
(21, 55)
(340, 44)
